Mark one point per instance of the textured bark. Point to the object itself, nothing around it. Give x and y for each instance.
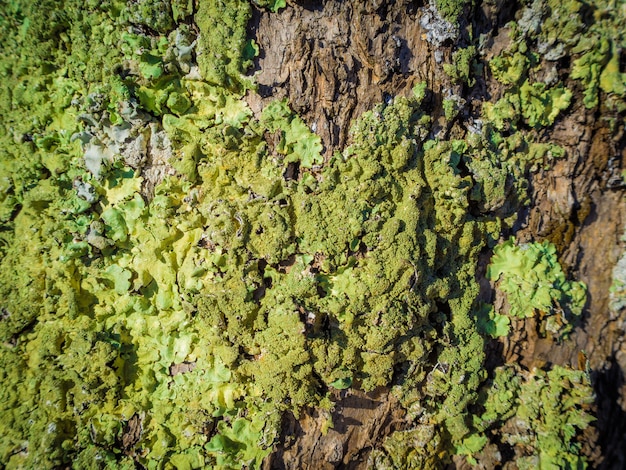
(359, 420)
(337, 61)
(579, 205)
(334, 60)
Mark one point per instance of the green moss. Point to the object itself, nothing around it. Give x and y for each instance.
(255, 274)
(462, 67)
(534, 282)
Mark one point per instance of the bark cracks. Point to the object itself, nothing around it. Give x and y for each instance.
(337, 61)
(334, 60)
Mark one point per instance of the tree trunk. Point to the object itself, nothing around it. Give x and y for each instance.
(298, 234)
(333, 60)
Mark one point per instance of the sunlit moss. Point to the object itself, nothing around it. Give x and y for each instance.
(249, 276)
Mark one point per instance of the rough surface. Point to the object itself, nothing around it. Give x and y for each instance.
(359, 421)
(335, 60)
(305, 235)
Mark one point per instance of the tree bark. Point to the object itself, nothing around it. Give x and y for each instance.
(334, 60)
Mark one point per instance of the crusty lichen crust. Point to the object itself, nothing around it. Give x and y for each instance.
(175, 273)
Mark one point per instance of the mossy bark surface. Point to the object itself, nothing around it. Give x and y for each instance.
(312, 234)
(337, 59)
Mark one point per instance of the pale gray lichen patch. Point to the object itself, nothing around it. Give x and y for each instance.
(438, 30)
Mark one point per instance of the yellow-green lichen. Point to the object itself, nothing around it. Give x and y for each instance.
(534, 282)
(224, 51)
(589, 33)
(212, 266)
(462, 67)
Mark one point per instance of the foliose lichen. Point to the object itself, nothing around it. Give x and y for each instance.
(462, 67)
(591, 34)
(214, 269)
(535, 284)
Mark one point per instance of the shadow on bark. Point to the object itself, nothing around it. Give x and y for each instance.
(608, 384)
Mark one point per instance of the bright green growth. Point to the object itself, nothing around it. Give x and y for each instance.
(420, 447)
(504, 113)
(462, 68)
(509, 69)
(536, 103)
(342, 384)
(499, 397)
(612, 80)
(154, 14)
(598, 65)
(451, 9)
(535, 284)
(295, 139)
(561, 26)
(491, 323)
(231, 296)
(553, 408)
(72, 286)
(540, 414)
(224, 51)
(592, 33)
(540, 105)
(500, 166)
(598, 69)
(233, 289)
(471, 445)
(272, 5)
(237, 444)
(450, 108)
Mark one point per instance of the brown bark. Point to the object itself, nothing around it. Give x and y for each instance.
(334, 60)
(359, 421)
